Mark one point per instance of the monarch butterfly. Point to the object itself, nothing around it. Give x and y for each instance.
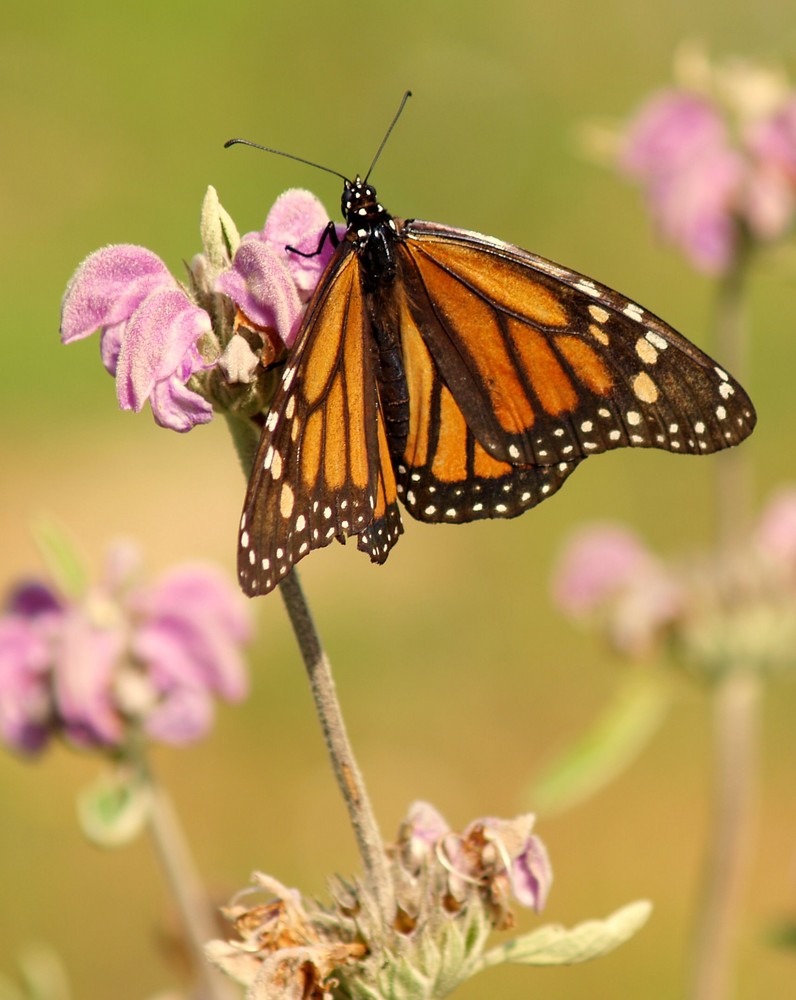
(466, 376)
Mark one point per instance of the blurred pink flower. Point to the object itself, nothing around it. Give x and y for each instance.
(597, 563)
(127, 653)
(25, 655)
(606, 572)
(711, 168)
(718, 611)
(776, 529)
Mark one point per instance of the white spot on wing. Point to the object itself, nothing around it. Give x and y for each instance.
(633, 311)
(598, 313)
(656, 340)
(584, 285)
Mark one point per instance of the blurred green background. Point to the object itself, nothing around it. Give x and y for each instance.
(458, 677)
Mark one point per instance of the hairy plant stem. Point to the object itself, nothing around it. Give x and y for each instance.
(349, 777)
(193, 907)
(730, 839)
(735, 702)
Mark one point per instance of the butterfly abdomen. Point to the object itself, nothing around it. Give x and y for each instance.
(393, 395)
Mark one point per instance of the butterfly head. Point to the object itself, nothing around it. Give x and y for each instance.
(360, 204)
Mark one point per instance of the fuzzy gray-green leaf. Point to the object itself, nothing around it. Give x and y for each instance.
(556, 945)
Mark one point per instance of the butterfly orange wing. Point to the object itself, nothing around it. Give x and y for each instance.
(322, 468)
(548, 366)
(444, 472)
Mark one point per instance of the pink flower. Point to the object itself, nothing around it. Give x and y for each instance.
(149, 331)
(500, 856)
(606, 572)
(776, 530)
(715, 161)
(160, 340)
(189, 640)
(26, 704)
(770, 196)
(151, 655)
(271, 284)
(679, 149)
(598, 563)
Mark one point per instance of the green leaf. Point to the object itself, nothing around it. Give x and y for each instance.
(114, 810)
(556, 945)
(64, 562)
(606, 749)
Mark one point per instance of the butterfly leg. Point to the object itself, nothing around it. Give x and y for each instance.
(330, 233)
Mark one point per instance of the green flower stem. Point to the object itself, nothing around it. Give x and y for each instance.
(731, 835)
(194, 908)
(349, 777)
(736, 700)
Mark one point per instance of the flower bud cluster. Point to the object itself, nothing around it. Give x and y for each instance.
(727, 610)
(451, 890)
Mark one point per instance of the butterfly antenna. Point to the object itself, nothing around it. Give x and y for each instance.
(290, 156)
(404, 99)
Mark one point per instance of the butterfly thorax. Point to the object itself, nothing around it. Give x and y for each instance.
(373, 232)
(375, 236)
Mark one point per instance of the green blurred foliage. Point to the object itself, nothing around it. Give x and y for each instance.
(459, 679)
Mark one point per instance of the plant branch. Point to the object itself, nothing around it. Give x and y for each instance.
(349, 777)
(730, 836)
(193, 906)
(735, 699)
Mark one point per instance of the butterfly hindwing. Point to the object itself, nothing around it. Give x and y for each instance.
(548, 366)
(317, 474)
(444, 473)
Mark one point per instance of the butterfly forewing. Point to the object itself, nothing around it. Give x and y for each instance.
(549, 366)
(317, 472)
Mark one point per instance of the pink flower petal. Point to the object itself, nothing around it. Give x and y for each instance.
(184, 716)
(25, 701)
(159, 334)
(85, 665)
(776, 530)
(668, 130)
(595, 565)
(178, 408)
(298, 219)
(261, 285)
(195, 613)
(108, 287)
(679, 149)
(532, 875)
